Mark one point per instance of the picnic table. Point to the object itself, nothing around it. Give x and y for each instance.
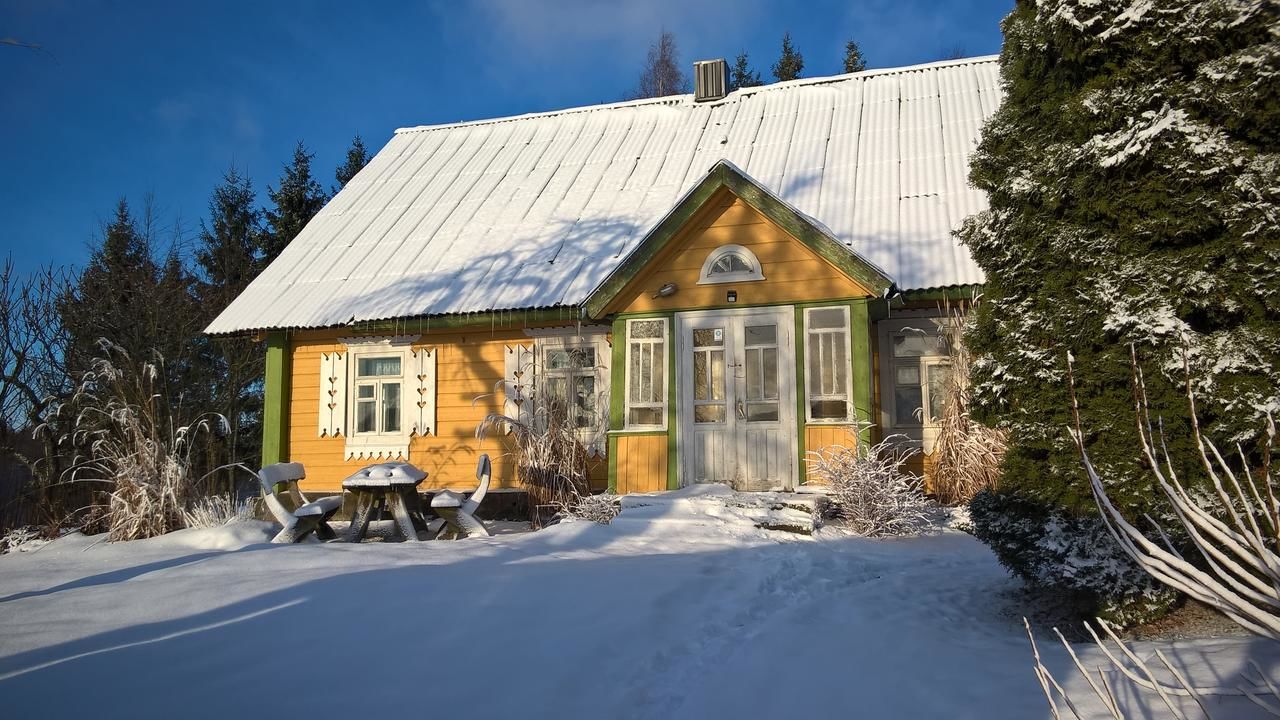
(389, 483)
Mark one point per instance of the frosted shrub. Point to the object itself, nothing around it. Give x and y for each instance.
(127, 442)
(551, 463)
(218, 510)
(871, 491)
(20, 539)
(600, 509)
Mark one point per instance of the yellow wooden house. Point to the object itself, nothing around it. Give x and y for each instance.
(712, 284)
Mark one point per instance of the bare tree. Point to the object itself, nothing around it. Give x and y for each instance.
(662, 75)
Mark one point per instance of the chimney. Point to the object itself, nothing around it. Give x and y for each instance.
(710, 79)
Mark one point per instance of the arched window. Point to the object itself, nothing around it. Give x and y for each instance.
(730, 263)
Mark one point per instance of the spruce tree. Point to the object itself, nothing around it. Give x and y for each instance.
(1131, 176)
(790, 64)
(853, 60)
(357, 158)
(228, 257)
(741, 75)
(298, 198)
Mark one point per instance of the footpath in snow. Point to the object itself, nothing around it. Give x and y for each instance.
(682, 608)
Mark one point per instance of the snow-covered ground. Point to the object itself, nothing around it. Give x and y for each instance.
(677, 609)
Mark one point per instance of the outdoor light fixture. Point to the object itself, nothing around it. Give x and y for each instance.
(666, 291)
(731, 296)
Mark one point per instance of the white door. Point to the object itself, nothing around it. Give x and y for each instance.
(736, 394)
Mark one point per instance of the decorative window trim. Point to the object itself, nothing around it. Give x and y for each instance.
(661, 405)
(417, 367)
(809, 395)
(595, 437)
(706, 277)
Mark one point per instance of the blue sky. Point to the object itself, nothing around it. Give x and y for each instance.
(136, 98)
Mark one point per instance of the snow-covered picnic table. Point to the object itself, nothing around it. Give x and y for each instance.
(389, 483)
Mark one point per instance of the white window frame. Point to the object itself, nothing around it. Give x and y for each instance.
(664, 395)
(706, 277)
(920, 430)
(809, 395)
(593, 436)
(389, 445)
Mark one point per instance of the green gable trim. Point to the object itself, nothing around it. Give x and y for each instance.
(275, 400)
(725, 175)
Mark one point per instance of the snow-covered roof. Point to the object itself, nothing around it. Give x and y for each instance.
(535, 211)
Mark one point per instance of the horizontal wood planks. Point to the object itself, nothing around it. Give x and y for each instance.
(642, 463)
(793, 272)
(817, 437)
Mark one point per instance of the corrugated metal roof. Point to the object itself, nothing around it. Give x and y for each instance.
(537, 210)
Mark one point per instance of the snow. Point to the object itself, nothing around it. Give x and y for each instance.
(676, 609)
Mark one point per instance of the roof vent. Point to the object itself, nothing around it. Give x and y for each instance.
(710, 79)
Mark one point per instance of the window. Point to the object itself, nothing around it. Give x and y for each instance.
(921, 369)
(569, 381)
(378, 381)
(827, 356)
(646, 382)
(730, 263)
(569, 372)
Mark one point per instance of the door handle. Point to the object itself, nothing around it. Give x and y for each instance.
(742, 410)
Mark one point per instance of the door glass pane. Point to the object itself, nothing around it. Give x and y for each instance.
(708, 413)
(770, 369)
(755, 374)
(391, 407)
(937, 375)
(761, 335)
(716, 359)
(709, 337)
(701, 380)
(762, 412)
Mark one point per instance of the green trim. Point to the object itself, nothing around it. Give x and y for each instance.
(275, 400)
(617, 396)
(802, 397)
(637, 433)
(480, 320)
(860, 352)
(673, 466)
(613, 464)
(725, 175)
(952, 293)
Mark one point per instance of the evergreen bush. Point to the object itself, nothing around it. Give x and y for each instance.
(1131, 174)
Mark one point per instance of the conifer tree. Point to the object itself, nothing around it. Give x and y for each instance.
(741, 75)
(228, 257)
(1131, 176)
(298, 198)
(790, 64)
(853, 60)
(661, 75)
(357, 157)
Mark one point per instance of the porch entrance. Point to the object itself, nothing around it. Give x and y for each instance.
(736, 391)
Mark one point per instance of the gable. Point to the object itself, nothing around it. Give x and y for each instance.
(792, 272)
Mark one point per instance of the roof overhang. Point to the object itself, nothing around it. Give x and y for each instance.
(726, 175)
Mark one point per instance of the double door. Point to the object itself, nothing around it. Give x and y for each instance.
(736, 391)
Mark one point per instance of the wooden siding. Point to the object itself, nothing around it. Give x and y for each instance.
(793, 272)
(817, 437)
(642, 463)
(469, 366)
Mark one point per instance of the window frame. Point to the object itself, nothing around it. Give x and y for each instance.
(354, 381)
(706, 277)
(664, 393)
(809, 396)
(920, 432)
(591, 435)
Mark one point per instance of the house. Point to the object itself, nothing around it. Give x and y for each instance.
(713, 284)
